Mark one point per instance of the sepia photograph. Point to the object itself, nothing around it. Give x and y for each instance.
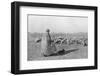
(57, 37)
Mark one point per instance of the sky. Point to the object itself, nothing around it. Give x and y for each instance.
(66, 24)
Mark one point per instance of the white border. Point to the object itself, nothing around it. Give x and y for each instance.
(26, 65)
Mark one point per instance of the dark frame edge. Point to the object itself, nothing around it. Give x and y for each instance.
(14, 39)
(53, 5)
(96, 37)
(56, 70)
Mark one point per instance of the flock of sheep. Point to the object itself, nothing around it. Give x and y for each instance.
(66, 41)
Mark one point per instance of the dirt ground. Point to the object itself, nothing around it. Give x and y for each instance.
(72, 52)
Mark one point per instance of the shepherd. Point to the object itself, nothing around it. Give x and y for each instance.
(47, 46)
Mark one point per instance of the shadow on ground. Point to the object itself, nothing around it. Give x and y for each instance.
(62, 52)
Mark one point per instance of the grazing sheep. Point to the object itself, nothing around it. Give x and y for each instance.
(57, 42)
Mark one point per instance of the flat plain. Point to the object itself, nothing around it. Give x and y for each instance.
(73, 51)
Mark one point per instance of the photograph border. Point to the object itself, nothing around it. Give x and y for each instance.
(15, 37)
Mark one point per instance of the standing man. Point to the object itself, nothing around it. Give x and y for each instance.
(48, 47)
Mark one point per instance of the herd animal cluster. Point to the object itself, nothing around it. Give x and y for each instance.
(66, 41)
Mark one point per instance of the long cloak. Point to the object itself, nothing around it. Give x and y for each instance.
(47, 48)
